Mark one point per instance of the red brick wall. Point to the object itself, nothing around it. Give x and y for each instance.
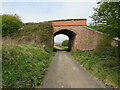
(70, 23)
(85, 38)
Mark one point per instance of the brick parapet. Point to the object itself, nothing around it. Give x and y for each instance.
(70, 23)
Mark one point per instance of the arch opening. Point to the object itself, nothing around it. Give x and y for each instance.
(71, 35)
(61, 42)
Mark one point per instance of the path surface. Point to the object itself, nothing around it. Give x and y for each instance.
(64, 72)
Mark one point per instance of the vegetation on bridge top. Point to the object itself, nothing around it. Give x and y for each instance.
(67, 20)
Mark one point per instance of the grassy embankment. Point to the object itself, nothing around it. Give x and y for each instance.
(26, 56)
(101, 62)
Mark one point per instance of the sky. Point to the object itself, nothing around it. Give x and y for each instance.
(58, 40)
(45, 11)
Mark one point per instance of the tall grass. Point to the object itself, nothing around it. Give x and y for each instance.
(24, 65)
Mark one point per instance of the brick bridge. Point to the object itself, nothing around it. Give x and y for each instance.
(80, 37)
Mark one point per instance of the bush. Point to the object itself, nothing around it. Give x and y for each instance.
(65, 43)
(103, 45)
(10, 24)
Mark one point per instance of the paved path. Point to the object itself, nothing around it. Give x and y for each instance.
(64, 72)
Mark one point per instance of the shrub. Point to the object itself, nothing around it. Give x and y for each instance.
(10, 24)
(103, 45)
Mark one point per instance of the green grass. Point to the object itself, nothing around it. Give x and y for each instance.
(64, 47)
(24, 65)
(104, 66)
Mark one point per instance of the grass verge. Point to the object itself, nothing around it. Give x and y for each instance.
(24, 65)
(104, 67)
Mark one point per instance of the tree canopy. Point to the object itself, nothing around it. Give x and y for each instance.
(10, 24)
(65, 43)
(107, 17)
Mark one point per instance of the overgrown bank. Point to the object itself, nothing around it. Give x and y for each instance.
(102, 62)
(26, 55)
(32, 33)
(24, 65)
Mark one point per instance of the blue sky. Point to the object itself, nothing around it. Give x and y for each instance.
(44, 11)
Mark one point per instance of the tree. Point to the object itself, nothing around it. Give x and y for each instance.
(65, 43)
(10, 24)
(107, 16)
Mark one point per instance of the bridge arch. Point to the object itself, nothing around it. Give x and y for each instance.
(81, 37)
(69, 33)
